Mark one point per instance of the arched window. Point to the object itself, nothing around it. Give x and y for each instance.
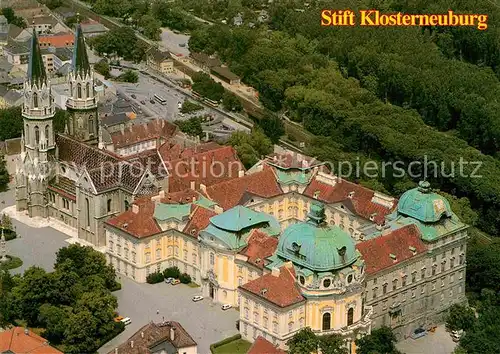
(127, 205)
(35, 100)
(87, 89)
(109, 205)
(327, 318)
(79, 90)
(27, 132)
(71, 88)
(47, 135)
(87, 208)
(212, 259)
(91, 125)
(37, 135)
(350, 316)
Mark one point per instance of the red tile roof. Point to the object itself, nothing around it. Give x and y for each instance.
(263, 346)
(137, 133)
(153, 334)
(377, 251)
(360, 203)
(207, 168)
(141, 224)
(60, 40)
(229, 193)
(260, 246)
(199, 219)
(16, 341)
(281, 290)
(170, 152)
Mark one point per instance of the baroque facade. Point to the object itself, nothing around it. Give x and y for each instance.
(292, 246)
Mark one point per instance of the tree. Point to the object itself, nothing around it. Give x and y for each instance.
(207, 87)
(185, 278)
(150, 27)
(304, 341)
(53, 4)
(483, 261)
(9, 14)
(6, 222)
(273, 127)
(53, 318)
(250, 148)
(332, 344)
(381, 340)
(4, 174)
(191, 126)
(11, 123)
(129, 76)
(172, 272)
(460, 317)
(156, 277)
(102, 67)
(189, 107)
(231, 102)
(79, 335)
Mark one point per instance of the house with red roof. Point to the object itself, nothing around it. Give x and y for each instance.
(20, 340)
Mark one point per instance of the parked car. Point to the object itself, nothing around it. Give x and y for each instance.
(133, 96)
(226, 307)
(168, 280)
(175, 282)
(126, 321)
(143, 102)
(419, 332)
(455, 335)
(118, 319)
(197, 298)
(152, 101)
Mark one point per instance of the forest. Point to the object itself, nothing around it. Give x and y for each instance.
(380, 94)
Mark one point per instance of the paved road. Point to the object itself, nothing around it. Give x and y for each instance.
(439, 342)
(205, 322)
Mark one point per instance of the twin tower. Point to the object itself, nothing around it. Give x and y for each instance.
(39, 141)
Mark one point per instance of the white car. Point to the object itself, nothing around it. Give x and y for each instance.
(226, 307)
(197, 298)
(126, 321)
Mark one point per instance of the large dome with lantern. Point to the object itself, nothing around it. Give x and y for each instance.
(315, 245)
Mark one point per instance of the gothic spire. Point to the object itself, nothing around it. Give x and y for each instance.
(36, 70)
(80, 59)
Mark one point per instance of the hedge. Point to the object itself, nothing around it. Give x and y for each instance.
(9, 234)
(225, 341)
(172, 272)
(185, 278)
(154, 278)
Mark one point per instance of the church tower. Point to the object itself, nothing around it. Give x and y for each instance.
(38, 141)
(82, 101)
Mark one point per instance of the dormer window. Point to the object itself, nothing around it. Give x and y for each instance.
(316, 195)
(302, 280)
(327, 282)
(349, 279)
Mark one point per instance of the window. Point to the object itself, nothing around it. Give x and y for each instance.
(326, 321)
(423, 288)
(350, 316)
(126, 253)
(195, 259)
(462, 258)
(290, 326)
(109, 205)
(91, 125)
(246, 313)
(27, 132)
(451, 278)
(443, 266)
(413, 277)
(119, 249)
(275, 327)
(212, 259)
(394, 284)
(265, 322)
(127, 205)
(302, 280)
(256, 317)
(111, 246)
(158, 253)
(37, 135)
(327, 283)
(460, 274)
(240, 281)
(87, 206)
(133, 256)
(434, 269)
(413, 292)
(349, 279)
(87, 89)
(384, 289)
(148, 257)
(35, 100)
(433, 285)
(47, 135)
(422, 273)
(79, 90)
(442, 281)
(403, 281)
(374, 294)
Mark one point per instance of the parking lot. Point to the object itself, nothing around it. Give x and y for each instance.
(439, 342)
(176, 43)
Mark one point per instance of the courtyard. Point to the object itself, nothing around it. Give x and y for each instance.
(204, 321)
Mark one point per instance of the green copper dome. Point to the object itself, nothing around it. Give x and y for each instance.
(315, 245)
(422, 204)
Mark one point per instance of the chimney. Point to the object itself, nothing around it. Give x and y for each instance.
(275, 272)
(172, 333)
(241, 173)
(135, 209)
(193, 185)
(131, 344)
(142, 334)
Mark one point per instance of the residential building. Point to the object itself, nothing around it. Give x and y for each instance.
(159, 338)
(160, 61)
(225, 74)
(59, 40)
(18, 34)
(44, 24)
(18, 340)
(261, 345)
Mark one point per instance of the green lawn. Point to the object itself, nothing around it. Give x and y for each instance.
(236, 347)
(13, 262)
